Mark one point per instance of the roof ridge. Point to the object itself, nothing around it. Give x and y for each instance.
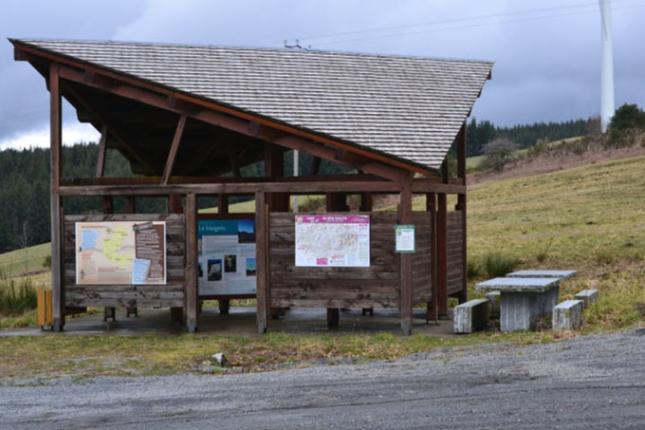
(247, 48)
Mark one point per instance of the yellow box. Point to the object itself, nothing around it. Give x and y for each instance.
(44, 308)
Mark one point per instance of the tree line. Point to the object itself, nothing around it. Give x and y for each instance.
(480, 133)
(24, 189)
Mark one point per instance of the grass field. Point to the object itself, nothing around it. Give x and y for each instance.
(26, 260)
(589, 218)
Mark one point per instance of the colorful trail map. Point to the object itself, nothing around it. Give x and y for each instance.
(120, 253)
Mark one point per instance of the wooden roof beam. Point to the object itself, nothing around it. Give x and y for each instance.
(76, 99)
(100, 161)
(174, 148)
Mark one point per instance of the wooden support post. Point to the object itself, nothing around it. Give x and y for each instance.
(442, 256)
(175, 207)
(58, 293)
(366, 206)
(274, 168)
(262, 249)
(130, 205)
(336, 202)
(100, 161)
(461, 206)
(174, 147)
(431, 206)
(174, 204)
(191, 262)
(405, 301)
(277, 202)
(222, 204)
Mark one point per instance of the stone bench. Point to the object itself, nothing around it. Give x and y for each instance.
(567, 315)
(523, 300)
(588, 296)
(471, 316)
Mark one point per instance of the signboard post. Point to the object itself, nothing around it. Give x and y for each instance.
(332, 240)
(405, 238)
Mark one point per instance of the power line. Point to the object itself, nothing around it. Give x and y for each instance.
(334, 36)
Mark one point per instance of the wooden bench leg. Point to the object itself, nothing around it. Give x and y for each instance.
(369, 311)
(177, 315)
(333, 318)
(131, 310)
(109, 313)
(224, 306)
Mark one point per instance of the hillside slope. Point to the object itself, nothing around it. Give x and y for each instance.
(582, 216)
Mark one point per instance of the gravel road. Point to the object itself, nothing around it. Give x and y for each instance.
(584, 383)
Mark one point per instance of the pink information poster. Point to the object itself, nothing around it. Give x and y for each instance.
(332, 240)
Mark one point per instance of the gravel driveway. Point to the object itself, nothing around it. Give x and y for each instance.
(588, 382)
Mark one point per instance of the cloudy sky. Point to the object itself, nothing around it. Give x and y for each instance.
(547, 52)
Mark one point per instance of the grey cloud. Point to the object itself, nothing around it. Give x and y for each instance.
(546, 69)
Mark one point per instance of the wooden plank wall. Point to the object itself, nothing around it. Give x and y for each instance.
(377, 286)
(422, 259)
(455, 252)
(141, 296)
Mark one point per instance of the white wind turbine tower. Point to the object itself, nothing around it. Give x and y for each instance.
(607, 106)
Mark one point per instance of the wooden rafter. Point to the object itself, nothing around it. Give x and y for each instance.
(100, 161)
(77, 99)
(245, 127)
(174, 147)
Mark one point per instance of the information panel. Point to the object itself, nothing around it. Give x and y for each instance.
(332, 240)
(121, 253)
(227, 263)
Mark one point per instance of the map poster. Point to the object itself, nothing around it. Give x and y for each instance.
(332, 240)
(227, 264)
(121, 253)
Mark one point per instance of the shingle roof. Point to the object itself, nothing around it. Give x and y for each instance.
(410, 108)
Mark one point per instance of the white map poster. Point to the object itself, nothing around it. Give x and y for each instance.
(227, 263)
(332, 240)
(121, 253)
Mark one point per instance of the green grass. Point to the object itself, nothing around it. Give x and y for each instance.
(25, 260)
(89, 356)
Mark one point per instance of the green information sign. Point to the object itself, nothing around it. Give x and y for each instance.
(405, 238)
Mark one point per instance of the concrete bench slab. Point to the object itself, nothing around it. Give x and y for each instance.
(562, 274)
(471, 316)
(588, 296)
(567, 315)
(523, 300)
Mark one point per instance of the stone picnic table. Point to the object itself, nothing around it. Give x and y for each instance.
(562, 274)
(523, 301)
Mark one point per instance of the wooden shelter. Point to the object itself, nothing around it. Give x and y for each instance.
(189, 118)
